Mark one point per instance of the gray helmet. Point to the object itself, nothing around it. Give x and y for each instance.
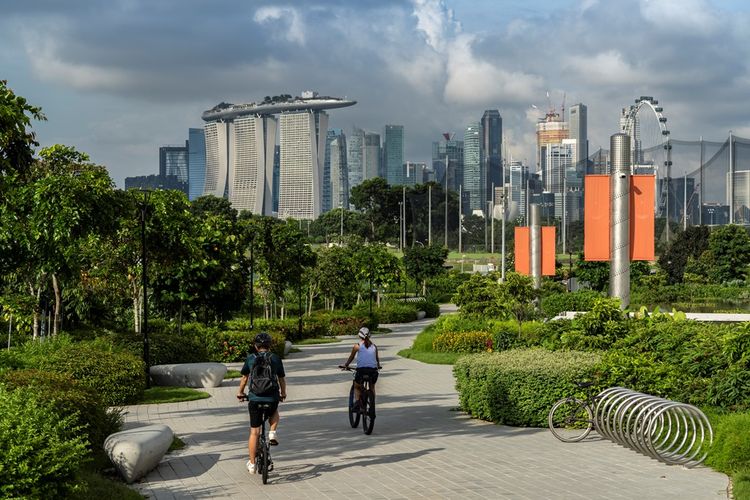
(263, 339)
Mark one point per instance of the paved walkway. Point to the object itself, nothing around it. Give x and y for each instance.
(422, 447)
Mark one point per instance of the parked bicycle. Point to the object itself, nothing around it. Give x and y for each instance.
(364, 407)
(263, 461)
(571, 419)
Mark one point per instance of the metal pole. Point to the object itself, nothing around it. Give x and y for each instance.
(400, 225)
(564, 216)
(144, 326)
(429, 214)
(341, 229)
(502, 229)
(619, 271)
(700, 191)
(460, 228)
(447, 162)
(403, 201)
(731, 177)
(535, 245)
(252, 282)
(299, 292)
(684, 203)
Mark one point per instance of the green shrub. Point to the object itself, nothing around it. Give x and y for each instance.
(164, 348)
(389, 312)
(288, 327)
(731, 449)
(70, 398)
(118, 376)
(340, 324)
(440, 288)
(556, 303)
(231, 346)
(431, 309)
(599, 328)
(40, 451)
(518, 387)
(464, 342)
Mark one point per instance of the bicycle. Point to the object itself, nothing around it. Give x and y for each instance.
(572, 419)
(366, 407)
(263, 462)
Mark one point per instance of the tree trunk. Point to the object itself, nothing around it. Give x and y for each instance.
(424, 288)
(58, 305)
(136, 307)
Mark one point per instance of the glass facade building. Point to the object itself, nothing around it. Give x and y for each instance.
(393, 154)
(196, 162)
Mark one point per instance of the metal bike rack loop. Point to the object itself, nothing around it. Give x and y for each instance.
(674, 433)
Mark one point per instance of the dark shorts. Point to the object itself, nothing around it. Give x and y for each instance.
(259, 411)
(361, 372)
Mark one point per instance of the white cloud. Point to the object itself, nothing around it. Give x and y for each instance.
(295, 30)
(694, 16)
(436, 22)
(605, 68)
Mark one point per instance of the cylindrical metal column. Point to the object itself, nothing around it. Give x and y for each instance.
(535, 244)
(619, 270)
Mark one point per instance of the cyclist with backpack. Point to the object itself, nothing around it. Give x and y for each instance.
(265, 373)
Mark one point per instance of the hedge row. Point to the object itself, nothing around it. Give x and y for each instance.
(518, 387)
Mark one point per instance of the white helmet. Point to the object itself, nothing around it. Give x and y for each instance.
(364, 333)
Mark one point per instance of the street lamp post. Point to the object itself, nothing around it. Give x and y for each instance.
(143, 205)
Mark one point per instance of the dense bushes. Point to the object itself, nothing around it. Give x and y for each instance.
(476, 341)
(518, 387)
(40, 451)
(555, 303)
(70, 399)
(164, 347)
(388, 312)
(731, 449)
(230, 346)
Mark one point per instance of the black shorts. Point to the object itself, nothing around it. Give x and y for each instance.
(260, 410)
(361, 372)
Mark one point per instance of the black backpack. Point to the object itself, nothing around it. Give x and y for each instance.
(262, 379)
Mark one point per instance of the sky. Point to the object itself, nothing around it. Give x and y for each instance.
(119, 78)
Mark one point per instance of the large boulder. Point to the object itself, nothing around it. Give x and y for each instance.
(189, 374)
(136, 451)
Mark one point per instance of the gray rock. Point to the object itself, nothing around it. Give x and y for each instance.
(421, 314)
(287, 347)
(136, 451)
(189, 374)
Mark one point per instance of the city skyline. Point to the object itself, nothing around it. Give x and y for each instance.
(118, 85)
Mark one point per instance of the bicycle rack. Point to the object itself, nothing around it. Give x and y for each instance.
(674, 433)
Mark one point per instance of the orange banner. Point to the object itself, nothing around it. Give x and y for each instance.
(642, 217)
(522, 238)
(596, 198)
(548, 250)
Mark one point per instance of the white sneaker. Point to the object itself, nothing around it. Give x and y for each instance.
(272, 439)
(250, 467)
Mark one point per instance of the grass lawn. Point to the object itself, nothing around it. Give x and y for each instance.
(171, 395)
(96, 487)
(232, 374)
(320, 340)
(421, 350)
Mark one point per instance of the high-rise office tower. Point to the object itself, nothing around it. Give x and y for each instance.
(372, 156)
(558, 160)
(173, 163)
(492, 145)
(393, 153)
(356, 157)
(196, 162)
(276, 175)
(551, 129)
(415, 173)
(579, 132)
(339, 173)
(241, 153)
(472, 171)
(302, 148)
(448, 161)
(326, 202)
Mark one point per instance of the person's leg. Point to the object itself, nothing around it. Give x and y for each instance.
(273, 420)
(252, 443)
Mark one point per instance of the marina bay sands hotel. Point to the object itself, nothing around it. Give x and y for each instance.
(240, 147)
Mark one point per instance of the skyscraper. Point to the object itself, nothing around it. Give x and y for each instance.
(372, 156)
(302, 150)
(448, 161)
(241, 154)
(196, 162)
(394, 154)
(356, 157)
(492, 145)
(173, 162)
(551, 129)
(579, 132)
(472, 171)
(339, 173)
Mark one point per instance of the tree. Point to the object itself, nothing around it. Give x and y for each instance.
(378, 202)
(594, 272)
(517, 295)
(729, 248)
(213, 205)
(690, 243)
(16, 140)
(424, 262)
(334, 274)
(375, 265)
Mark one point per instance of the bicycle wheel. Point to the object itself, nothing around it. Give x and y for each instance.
(368, 412)
(263, 462)
(570, 420)
(353, 415)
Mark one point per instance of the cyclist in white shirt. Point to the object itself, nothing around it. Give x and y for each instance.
(368, 361)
